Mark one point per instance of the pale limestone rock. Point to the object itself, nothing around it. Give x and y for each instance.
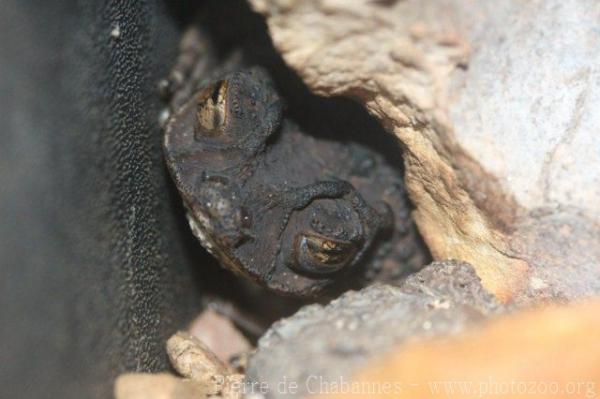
(192, 359)
(496, 104)
(204, 375)
(528, 107)
(219, 334)
(168, 386)
(157, 386)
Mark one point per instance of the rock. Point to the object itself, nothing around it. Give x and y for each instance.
(496, 118)
(157, 386)
(233, 387)
(219, 334)
(192, 359)
(509, 357)
(204, 375)
(562, 250)
(168, 386)
(325, 343)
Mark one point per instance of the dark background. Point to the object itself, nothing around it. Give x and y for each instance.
(96, 263)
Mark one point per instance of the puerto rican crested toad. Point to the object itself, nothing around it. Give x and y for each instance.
(290, 211)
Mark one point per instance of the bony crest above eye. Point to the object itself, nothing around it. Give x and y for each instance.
(211, 109)
(317, 254)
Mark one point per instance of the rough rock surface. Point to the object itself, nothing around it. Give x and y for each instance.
(527, 107)
(497, 118)
(192, 359)
(220, 334)
(511, 352)
(562, 249)
(326, 343)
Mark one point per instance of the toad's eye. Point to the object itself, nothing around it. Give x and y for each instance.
(321, 255)
(211, 109)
